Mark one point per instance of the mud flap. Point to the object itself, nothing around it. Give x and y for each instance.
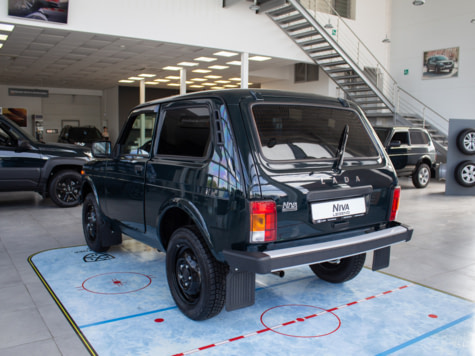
(240, 290)
(381, 258)
(110, 236)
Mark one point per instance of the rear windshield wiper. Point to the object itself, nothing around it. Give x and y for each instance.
(341, 150)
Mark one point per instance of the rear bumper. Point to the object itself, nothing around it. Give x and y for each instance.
(275, 260)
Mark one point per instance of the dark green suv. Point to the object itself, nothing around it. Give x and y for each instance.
(238, 182)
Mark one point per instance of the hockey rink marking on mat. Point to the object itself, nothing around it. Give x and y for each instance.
(426, 335)
(224, 342)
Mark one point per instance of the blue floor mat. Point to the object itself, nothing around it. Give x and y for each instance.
(119, 304)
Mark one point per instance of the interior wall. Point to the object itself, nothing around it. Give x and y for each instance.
(438, 24)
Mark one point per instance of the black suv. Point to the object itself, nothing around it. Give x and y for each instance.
(80, 135)
(439, 63)
(29, 165)
(411, 151)
(238, 182)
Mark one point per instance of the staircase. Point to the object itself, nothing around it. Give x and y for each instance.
(352, 66)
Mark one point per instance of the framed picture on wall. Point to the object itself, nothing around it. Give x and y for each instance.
(18, 115)
(43, 10)
(441, 63)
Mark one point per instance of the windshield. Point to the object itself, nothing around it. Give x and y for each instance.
(84, 134)
(305, 132)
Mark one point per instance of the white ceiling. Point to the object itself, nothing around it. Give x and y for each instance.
(45, 57)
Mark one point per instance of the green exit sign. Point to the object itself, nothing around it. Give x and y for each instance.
(406, 71)
(334, 32)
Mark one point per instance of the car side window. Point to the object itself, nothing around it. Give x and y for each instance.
(185, 131)
(401, 137)
(138, 137)
(418, 137)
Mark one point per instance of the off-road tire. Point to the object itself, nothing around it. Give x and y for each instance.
(421, 176)
(91, 222)
(65, 187)
(339, 271)
(197, 281)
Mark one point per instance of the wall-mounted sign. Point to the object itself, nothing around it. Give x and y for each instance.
(41, 93)
(52, 131)
(406, 71)
(441, 63)
(44, 10)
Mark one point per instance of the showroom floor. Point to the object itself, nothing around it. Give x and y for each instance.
(441, 256)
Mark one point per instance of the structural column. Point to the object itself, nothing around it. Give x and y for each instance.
(244, 70)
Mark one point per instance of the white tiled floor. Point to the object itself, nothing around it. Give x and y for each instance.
(441, 255)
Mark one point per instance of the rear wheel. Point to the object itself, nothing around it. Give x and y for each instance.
(339, 271)
(91, 224)
(196, 280)
(421, 176)
(64, 188)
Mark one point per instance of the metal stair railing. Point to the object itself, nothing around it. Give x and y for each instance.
(361, 59)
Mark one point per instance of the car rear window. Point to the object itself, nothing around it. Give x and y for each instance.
(306, 132)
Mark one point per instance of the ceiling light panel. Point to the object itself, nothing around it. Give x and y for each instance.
(259, 58)
(225, 54)
(201, 71)
(206, 59)
(218, 67)
(188, 64)
(6, 27)
(171, 68)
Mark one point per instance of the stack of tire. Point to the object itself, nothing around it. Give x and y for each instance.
(465, 171)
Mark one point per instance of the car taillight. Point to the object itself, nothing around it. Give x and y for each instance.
(395, 203)
(263, 221)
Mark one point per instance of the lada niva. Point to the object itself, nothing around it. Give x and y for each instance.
(238, 182)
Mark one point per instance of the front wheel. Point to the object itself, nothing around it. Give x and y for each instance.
(64, 188)
(196, 280)
(339, 271)
(421, 176)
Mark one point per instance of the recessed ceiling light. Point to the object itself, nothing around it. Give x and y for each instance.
(223, 81)
(188, 64)
(196, 86)
(259, 58)
(209, 84)
(1, 45)
(126, 81)
(201, 71)
(171, 68)
(219, 67)
(217, 88)
(213, 76)
(151, 83)
(172, 77)
(235, 79)
(206, 59)
(6, 27)
(198, 79)
(3, 37)
(145, 75)
(234, 63)
(225, 54)
(135, 78)
(161, 80)
(173, 84)
(230, 86)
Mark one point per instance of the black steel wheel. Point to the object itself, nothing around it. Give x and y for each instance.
(466, 141)
(64, 188)
(421, 176)
(196, 280)
(341, 270)
(91, 224)
(465, 174)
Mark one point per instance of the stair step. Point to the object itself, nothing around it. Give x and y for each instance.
(311, 32)
(375, 107)
(297, 27)
(312, 42)
(326, 56)
(352, 84)
(367, 102)
(318, 49)
(342, 70)
(336, 63)
(287, 9)
(289, 19)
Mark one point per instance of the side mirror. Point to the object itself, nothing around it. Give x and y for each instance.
(101, 149)
(23, 146)
(395, 143)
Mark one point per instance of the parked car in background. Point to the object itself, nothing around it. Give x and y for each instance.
(411, 151)
(80, 135)
(52, 170)
(439, 63)
(237, 182)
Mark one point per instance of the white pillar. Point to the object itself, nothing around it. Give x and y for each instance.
(182, 81)
(142, 91)
(244, 70)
